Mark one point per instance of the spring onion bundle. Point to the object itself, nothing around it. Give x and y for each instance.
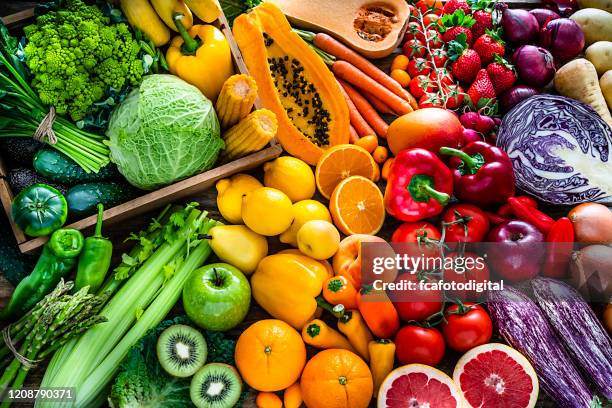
(139, 304)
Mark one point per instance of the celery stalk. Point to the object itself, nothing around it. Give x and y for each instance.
(97, 381)
(121, 310)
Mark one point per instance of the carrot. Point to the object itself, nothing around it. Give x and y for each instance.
(578, 80)
(357, 121)
(379, 105)
(334, 47)
(353, 135)
(366, 110)
(351, 74)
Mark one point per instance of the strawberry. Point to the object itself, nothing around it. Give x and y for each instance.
(482, 90)
(452, 5)
(465, 61)
(484, 22)
(489, 44)
(454, 24)
(502, 74)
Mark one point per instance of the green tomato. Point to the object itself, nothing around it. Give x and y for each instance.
(39, 210)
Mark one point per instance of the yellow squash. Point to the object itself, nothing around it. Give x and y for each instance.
(167, 8)
(286, 286)
(142, 16)
(312, 116)
(207, 10)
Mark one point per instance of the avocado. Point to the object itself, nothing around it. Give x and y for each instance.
(22, 177)
(19, 151)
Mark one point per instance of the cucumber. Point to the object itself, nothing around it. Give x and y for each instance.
(58, 167)
(83, 198)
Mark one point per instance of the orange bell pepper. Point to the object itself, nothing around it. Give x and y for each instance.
(339, 290)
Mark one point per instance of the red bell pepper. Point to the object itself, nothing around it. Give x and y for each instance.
(482, 173)
(559, 238)
(495, 219)
(531, 215)
(418, 187)
(506, 212)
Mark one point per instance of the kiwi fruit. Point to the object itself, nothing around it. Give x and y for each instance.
(181, 350)
(216, 385)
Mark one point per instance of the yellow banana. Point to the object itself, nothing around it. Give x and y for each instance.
(166, 8)
(142, 16)
(207, 10)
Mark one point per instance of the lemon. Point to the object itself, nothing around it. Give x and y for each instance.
(291, 176)
(318, 239)
(229, 195)
(267, 211)
(303, 211)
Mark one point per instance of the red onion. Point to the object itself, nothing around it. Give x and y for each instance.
(564, 7)
(535, 65)
(520, 27)
(563, 37)
(515, 95)
(544, 16)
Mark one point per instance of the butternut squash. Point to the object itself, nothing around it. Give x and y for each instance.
(293, 82)
(207, 10)
(166, 8)
(142, 16)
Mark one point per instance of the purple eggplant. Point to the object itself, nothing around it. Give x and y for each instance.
(523, 325)
(578, 328)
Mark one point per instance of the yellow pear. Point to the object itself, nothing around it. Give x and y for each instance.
(238, 246)
(229, 195)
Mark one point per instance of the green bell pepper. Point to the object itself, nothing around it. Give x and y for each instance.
(39, 210)
(95, 259)
(58, 258)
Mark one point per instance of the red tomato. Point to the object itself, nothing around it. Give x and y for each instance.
(414, 344)
(418, 66)
(472, 268)
(431, 100)
(439, 57)
(430, 6)
(445, 77)
(417, 304)
(434, 40)
(421, 84)
(414, 13)
(454, 95)
(412, 31)
(414, 48)
(414, 232)
(465, 223)
(431, 18)
(466, 327)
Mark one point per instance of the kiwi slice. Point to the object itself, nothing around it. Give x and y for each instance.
(181, 350)
(216, 385)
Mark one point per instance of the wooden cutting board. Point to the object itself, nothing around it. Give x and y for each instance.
(372, 28)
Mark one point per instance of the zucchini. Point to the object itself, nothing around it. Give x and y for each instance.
(523, 325)
(60, 168)
(84, 198)
(578, 328)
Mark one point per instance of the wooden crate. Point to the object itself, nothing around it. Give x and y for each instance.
(155, 199)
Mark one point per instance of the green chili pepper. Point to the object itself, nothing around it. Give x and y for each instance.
(95, 259)
(58, 258)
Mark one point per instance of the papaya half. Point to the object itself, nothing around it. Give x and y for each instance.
(293, 82)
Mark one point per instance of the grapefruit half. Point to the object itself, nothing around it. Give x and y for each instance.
(494, 375)
(418, 385)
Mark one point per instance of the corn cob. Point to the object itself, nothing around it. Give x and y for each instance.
(236, 100)
(251, 134)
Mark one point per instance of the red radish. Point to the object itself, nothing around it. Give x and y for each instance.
(470, 135)
(480, 123)
(418, 385)
(544, 16)
(494, 375)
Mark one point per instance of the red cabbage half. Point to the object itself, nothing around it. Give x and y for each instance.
(560, 150)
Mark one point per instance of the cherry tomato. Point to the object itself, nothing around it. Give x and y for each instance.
(445, 77)
(418, 66)
(414, 13)
(431, 100)
(416, 344)
(434, 40)
(427, 6)
(439, 57)
(420, 85)
(466, 327)
(465, 223)
(412, 31)
(431, 18)
(414, 48)
(467, 266)
(415, 304)
(454, 96)
(422, 236)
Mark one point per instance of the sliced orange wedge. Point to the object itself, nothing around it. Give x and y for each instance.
(357, 206)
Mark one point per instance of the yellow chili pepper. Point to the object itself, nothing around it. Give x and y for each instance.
(200, 56)
(320, 335)
(382, 357)
(355, 329)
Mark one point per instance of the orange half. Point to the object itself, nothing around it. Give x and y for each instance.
(357, 206)
(340, 162)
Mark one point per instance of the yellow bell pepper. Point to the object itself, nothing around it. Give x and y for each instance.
(286, 286)
(200, 56)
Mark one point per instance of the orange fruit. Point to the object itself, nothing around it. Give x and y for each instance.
(268, 400)
(401, 76)
(340, 162)
(336, 378)
(370, 143)
(386, 168)
(380, 154)
(357, 206)
(270, 355)
(400, 62)
(428, 128)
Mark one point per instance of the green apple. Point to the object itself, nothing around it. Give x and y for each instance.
(217, 296)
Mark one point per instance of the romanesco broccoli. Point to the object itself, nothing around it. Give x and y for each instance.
(76, 56)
